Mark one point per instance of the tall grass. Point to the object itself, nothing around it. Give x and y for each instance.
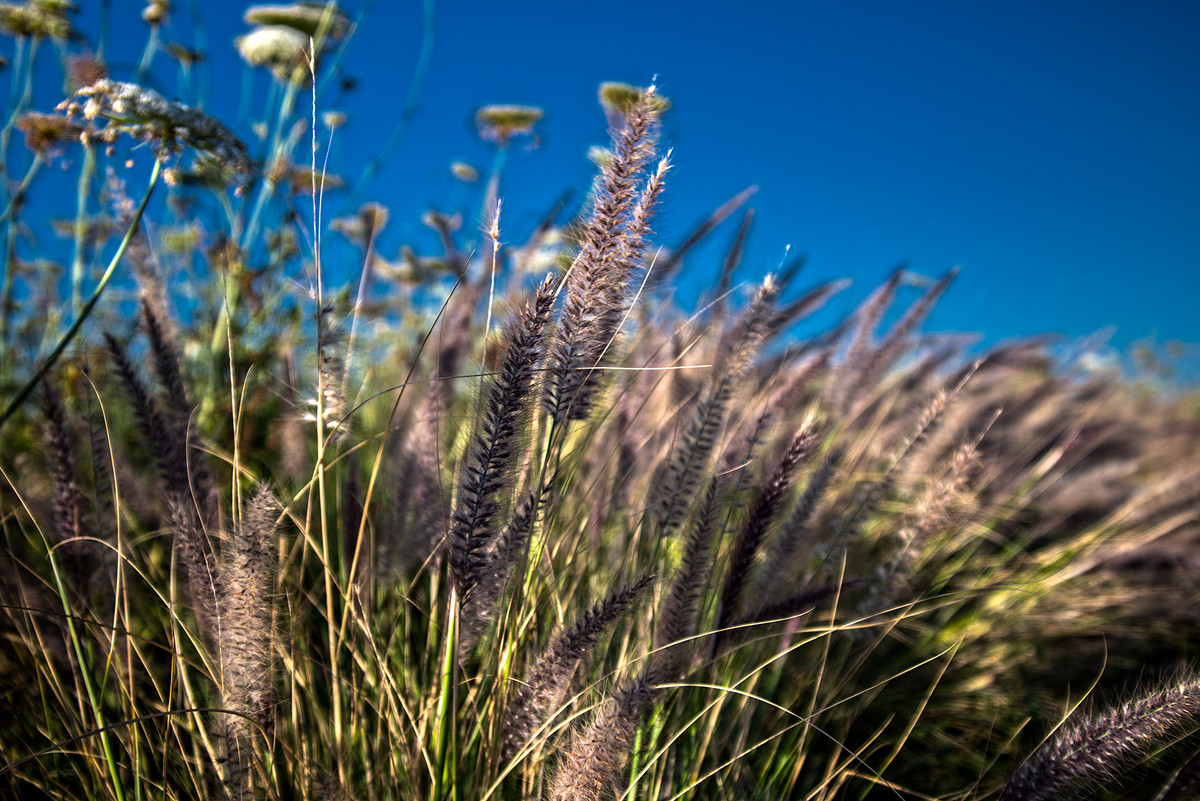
(509, 523)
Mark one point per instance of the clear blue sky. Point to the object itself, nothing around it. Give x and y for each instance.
(1052, 149)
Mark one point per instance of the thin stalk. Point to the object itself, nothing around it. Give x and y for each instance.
(406, 115)
(18, 97)
(331, 627)
(445, 777)
(18, 197)
(81, 205)
(84, 312)
(19, 94)
(273, 154)
(148, 54)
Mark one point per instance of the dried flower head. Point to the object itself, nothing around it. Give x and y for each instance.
(440, 222)
(39, 19)
(44, 131)
(184, 55)
(281, 49)
(361, 226)
(205, 172)
(302, 180)
(180, 239)
(96, 229)
(464, 172)
(500, 123)
(620, 98)
(85, 70)
(409, 269)
(309, 19)
(145, 114)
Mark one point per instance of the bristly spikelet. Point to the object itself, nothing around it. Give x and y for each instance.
(161, 336)
(69, 523)
(597, 285)
(760, 518)
(487, 466)
(417, 526)
(943, 502)
(167, 442)
(245, 640)
(545, 685)
(897, 339)
(331, 371)
(853, 375)
(591, 768)
(505, 558)
(1104, 745)
(795, 531)
(691, 455)
(677, 622)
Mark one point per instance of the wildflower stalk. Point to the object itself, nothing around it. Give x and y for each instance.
(7, 256)
(20, 89)
(81, 205)
(86, 310)
(18, 196)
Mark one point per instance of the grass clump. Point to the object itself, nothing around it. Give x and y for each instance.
(504, 522)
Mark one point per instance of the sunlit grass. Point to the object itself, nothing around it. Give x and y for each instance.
(502, 521)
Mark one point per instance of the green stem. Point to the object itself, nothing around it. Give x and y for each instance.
(81, 205)
(445, 747)
(84, 312)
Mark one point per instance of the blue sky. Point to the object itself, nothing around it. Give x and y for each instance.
(1052, 149)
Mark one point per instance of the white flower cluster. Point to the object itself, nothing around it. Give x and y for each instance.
(145, 114)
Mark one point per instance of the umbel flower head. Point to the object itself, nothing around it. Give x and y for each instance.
(39, 19)
(166, 125)
(282, 49)
(500, 123)
(309, 19)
